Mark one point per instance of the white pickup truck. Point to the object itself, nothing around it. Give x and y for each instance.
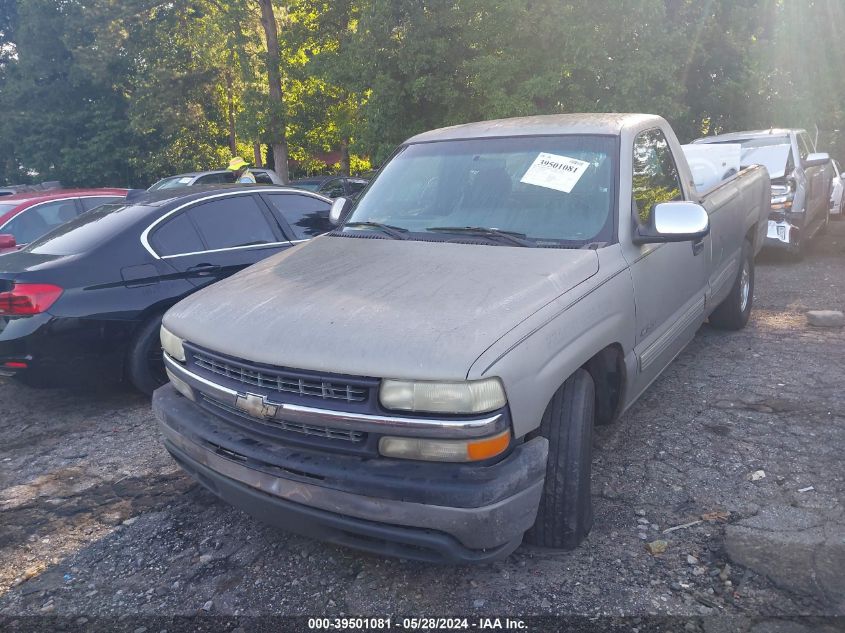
(423, 381)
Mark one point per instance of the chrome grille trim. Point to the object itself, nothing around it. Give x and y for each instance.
(314, 388)
(285, 425)
(408, 426)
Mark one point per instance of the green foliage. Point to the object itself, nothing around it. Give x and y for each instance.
(124, 92)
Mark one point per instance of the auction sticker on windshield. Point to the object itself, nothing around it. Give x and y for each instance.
(561, 173)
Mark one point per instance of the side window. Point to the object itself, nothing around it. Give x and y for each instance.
(655, 174)
(176, 236)
(333, 188)
(36, 221)
(262, 177)
(355, 186)
(211, 179)
(804, 147)
(306, 216)
(91, 203)
(231, 222)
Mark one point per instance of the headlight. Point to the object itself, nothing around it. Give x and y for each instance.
(475, 396)
(474, 450)
(782, 196)
(172, 345)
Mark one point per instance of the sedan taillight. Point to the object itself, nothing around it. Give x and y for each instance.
(28, 299)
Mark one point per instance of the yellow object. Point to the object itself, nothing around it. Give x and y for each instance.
(237, 163)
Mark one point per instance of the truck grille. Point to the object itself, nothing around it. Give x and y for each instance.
(278, 380)
(292, 427)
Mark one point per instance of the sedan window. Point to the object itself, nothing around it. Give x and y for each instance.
(34, 222)
(88, 230)
(355, 186)
(96, 201)
(307, 216)
(177, 236)
(333, 188)
(212, 179)
(174, 182)
(232, 222)
(262, 177)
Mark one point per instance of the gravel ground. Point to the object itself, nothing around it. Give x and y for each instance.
(98, 521)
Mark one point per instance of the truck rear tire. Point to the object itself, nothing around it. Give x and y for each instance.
(145, 361)
(565, 515)
(733, 313)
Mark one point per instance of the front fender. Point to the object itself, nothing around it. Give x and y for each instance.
(537, 356)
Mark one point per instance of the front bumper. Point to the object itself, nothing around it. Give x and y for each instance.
(425, 511)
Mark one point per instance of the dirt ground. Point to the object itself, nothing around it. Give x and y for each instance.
(97, 520)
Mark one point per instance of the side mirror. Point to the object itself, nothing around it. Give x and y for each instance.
(340, 209)
(674, 222)
(7, 241)
(814, 160)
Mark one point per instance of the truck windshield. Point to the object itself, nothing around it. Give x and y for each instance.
(542, 190)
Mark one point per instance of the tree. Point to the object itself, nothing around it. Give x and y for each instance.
(65, 122)
(276, 119)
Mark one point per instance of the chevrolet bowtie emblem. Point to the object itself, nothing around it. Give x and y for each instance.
(256, 406)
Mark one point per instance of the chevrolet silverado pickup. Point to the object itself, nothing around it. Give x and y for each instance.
(423, 381)
(800, 179)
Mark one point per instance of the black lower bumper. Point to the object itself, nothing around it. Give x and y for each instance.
(360, 503)
(62, 350)
(378, 538)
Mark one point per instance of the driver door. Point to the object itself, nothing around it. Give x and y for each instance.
(670, 280)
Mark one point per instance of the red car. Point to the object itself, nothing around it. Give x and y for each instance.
(24, 217)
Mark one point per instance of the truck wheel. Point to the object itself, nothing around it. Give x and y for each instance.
(733, 312)
(144, 362)
(565, 515)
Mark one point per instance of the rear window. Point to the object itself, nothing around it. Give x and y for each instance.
(96, 201)
(86, 231)
(173, 182)
(262, 177)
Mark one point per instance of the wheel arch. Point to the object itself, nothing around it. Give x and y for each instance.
(609, 373)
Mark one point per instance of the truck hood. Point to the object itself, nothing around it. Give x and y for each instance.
(378, 307)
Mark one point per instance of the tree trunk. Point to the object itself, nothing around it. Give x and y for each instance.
(256, 153)
(344, 156)
(230, 90)
(276, 125)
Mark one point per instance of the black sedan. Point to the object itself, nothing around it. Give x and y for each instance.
(86, 300)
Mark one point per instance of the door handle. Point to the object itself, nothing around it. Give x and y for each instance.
(203, 270)
(697, 247)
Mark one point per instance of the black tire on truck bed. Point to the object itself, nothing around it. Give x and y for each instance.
(733, 313)
(565, 515)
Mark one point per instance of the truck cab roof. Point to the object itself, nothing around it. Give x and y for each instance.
(551, 124)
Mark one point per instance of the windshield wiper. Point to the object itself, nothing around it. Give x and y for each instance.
(511, 237)
(396, 232)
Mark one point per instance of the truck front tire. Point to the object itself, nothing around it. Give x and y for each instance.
(565, 515)
(733, 313)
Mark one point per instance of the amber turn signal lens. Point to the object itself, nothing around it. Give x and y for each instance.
(488, 447)
(445, 450)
